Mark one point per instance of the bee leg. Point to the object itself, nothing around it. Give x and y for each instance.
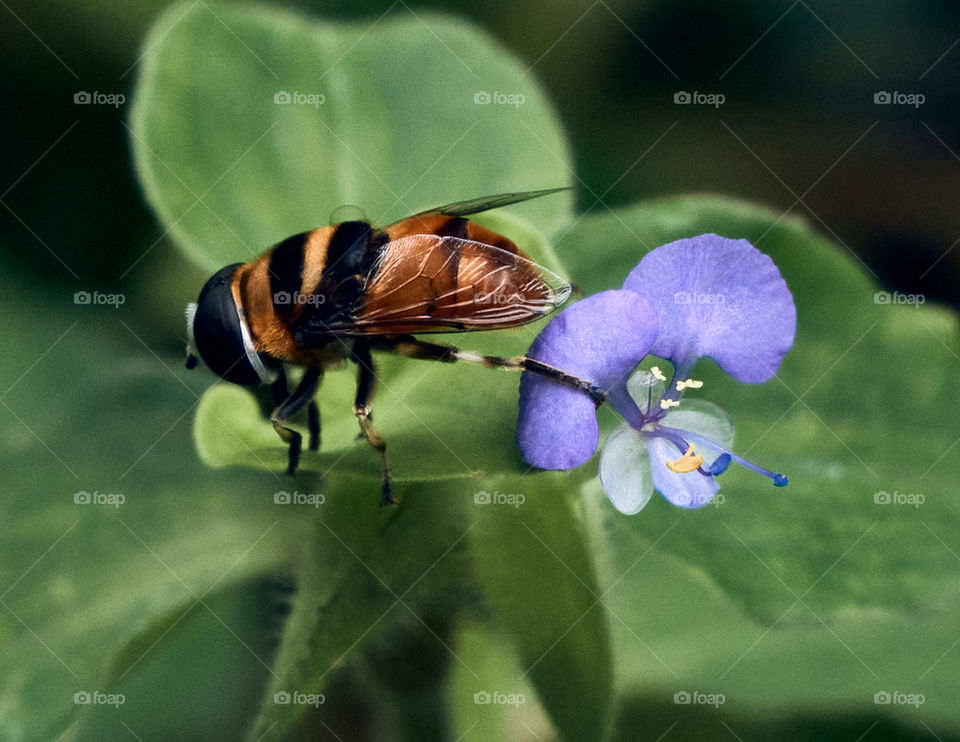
(302, 395)
(366, 381)
(313, 424)
(412, 348)
(279, 389)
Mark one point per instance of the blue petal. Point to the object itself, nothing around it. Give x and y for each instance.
(707, 420)
(599, 339)
(720, 298)
(557, 426)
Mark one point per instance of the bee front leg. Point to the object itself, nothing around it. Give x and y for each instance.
(366, 382)
(302, 395)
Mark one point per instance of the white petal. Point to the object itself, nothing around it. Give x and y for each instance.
(625, 470)
(705, 419)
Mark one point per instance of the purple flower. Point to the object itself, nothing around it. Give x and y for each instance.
(704, 296)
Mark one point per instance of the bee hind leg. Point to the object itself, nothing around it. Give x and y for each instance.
(313, 424)
(366, 382)
(301, 396)
(413, 348)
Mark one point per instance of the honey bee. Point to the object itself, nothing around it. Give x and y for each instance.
(339, 292)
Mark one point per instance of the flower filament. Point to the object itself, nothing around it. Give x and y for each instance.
(647, 422)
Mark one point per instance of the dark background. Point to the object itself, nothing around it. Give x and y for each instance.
(799, 120)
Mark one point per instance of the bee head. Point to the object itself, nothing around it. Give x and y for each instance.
(218, 333)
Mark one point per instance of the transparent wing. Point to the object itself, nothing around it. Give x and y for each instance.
(429, 283)
(485, 203)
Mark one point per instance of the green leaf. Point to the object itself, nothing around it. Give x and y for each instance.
(674, 630)
(365, 572)
(230, 172)
(532, 558)
(82, 414)
(863, 404)
(191, 654)
(488, 697)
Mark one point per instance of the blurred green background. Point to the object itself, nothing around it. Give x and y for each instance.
(799, 118)
(799, 130)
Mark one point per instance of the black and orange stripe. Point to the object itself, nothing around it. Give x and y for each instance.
(329, 283)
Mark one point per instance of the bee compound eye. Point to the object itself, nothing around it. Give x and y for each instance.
(219, 336)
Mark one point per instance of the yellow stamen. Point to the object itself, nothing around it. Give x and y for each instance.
(689, 384)
(666, 404)
(686, 463)
(657, 373)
